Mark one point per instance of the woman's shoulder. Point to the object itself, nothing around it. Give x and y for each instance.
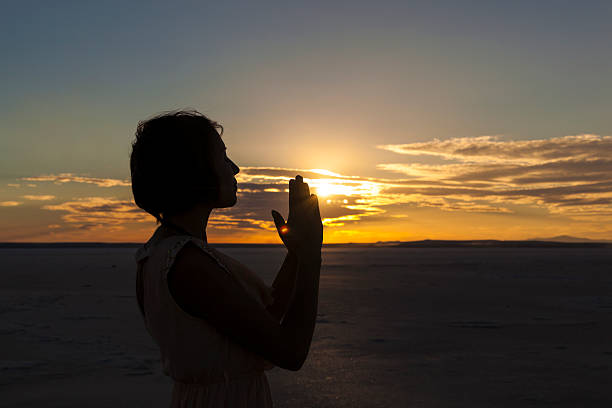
(166, 247)
(193, 252)
(189, 252)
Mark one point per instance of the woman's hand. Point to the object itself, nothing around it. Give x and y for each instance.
(303, 231)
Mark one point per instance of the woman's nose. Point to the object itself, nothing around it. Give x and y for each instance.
(236, 168)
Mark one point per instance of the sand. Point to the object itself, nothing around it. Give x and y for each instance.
(397, 327)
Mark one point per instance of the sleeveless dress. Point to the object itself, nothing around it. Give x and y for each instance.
(208, 368)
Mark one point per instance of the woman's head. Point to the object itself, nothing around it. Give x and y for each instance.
(178, 160)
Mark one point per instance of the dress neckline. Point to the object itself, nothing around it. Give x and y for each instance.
(162, 237)
(180, 229)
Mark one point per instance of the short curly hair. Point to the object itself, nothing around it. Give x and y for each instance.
(171, 162)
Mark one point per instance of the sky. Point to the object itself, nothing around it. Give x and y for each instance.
(410, 120)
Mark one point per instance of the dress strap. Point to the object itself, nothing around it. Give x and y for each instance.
(179, 243)
(142, 253)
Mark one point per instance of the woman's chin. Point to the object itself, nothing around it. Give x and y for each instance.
(229, 202)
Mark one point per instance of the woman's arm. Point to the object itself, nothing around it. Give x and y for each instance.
(283, 287)
(277, 298)
(218, 297)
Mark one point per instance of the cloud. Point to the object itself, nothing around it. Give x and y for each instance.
(39, 197)
(71, 178)
(234, 221)
(90, 212)
(9, 203)
(569, 175)
(260, 190)
(490, 149)
(275, 175)
(344, 200)
(350, 205)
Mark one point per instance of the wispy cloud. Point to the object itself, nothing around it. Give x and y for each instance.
(237, 221)
(72, 178)
(490, 149)
(39, 197)
(569, 175)
(10, 203)
(90, 212)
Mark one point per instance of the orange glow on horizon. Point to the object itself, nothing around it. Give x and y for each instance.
(74, 208)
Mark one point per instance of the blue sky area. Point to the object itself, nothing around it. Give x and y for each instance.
(296, 85)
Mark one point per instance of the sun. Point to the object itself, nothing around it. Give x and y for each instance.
(332, 187)
(334, 184)
(323, 188)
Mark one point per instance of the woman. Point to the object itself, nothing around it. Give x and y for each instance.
(218, 326)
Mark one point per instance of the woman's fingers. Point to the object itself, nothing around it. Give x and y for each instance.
(305, 191)
(297, 190)
(292, 193)
(301, 202)
(302, 190)
(315, 203)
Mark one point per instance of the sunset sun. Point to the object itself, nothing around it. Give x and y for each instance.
(323, 188)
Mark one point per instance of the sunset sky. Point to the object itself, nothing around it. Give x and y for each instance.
(459, 120)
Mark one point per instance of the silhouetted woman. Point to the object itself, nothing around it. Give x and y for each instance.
(218, 326)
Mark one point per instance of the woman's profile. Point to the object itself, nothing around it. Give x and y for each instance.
(218, 326)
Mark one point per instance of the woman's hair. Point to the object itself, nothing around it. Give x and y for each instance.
(171, 162)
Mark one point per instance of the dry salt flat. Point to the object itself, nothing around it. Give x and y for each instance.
(397, 327)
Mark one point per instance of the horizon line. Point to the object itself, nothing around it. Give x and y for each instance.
(551, 242)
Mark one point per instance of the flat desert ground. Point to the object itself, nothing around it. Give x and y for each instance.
(397, 327)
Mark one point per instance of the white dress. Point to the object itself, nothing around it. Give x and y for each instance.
(208, 369)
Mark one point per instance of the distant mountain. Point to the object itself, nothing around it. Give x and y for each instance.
(492, 243)
(567, 238)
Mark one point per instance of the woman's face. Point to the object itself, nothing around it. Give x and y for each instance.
(225, 170)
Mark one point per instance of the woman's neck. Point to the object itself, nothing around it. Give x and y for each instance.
(192, 222)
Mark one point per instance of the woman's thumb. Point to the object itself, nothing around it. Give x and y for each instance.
(279, 221)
